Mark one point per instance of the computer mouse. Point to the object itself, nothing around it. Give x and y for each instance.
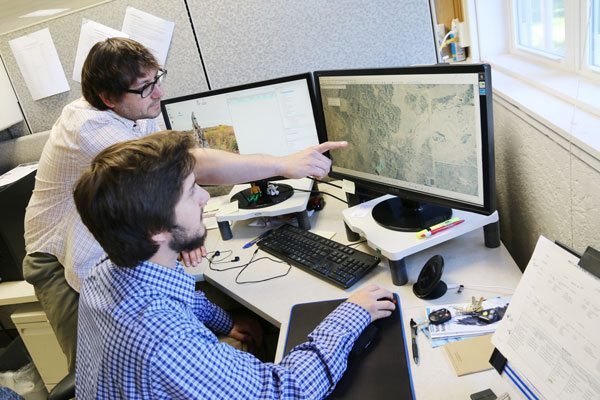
(363, 341)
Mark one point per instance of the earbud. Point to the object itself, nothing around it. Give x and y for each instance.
(235, 259)
(217, 253)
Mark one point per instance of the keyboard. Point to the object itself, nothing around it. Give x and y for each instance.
(329, 260)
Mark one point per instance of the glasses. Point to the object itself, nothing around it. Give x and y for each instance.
(148, 88)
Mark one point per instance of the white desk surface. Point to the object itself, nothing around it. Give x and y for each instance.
(466, 261)
(16, 292)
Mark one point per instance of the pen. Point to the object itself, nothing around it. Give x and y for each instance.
(413, 336)
(256, 239)
(425, 233)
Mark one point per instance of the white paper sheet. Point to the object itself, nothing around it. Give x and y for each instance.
(91, 33)
(551, 327)
(39, 64)
(153, 32)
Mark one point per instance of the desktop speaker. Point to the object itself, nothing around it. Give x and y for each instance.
(429, 285)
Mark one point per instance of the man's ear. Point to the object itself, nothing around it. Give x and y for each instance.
(160, 238)
(106, 100)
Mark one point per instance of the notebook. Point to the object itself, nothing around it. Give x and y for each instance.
(381, 372)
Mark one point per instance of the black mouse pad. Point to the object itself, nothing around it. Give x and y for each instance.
(382, 371)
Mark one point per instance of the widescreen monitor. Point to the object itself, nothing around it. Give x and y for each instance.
(275, 117)
(423, 134)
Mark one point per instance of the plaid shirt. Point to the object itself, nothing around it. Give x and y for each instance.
(52, 224)
(144, 334)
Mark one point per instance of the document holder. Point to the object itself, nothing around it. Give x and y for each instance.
(381, 372)
(590, 262)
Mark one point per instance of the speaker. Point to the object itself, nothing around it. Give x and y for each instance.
(429, 285)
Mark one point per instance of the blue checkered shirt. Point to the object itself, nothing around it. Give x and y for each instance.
(144, 333)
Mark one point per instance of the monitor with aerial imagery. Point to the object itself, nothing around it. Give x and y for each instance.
(423, 134)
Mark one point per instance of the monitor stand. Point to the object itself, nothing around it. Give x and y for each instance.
(404, 215)
(397, 245)
(295, 204)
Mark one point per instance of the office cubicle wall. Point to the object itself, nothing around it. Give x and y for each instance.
(245, 41)
(183, 61)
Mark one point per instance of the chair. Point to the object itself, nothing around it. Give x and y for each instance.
(65, 389)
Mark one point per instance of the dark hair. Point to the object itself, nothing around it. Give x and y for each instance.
(111, 66)
(130, 191)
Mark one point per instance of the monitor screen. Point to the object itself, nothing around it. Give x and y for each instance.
(424, 134)
(275, 117)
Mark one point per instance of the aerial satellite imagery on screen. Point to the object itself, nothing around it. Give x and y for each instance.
(419, 133)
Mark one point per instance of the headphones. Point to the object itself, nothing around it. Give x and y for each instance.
(217, 253)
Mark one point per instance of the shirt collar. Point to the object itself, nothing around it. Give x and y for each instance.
(173, 282)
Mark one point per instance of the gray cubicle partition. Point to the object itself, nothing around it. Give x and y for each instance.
(246, 41)
(183, 61)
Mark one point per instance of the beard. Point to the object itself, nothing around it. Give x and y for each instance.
(182, 241)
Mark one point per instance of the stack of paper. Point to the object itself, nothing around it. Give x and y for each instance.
(466, 325)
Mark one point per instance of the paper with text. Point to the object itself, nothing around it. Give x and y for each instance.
(551, 327)
(91, 33)
(153, 32)
(39, 64)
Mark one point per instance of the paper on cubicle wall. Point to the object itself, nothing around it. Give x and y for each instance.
(39, 64)
(153, 32)
(550, 330)
(91, 33)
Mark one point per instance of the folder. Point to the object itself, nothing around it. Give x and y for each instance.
(381, 372)
(470, 355)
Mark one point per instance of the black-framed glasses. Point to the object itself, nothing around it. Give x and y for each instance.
(148, 88)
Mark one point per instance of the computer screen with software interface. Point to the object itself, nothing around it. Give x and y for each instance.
(420, 133)
(273, 117)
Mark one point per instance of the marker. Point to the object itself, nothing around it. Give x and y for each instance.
(256, 239)
(425, 233)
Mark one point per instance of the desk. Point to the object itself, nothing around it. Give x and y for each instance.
(467, 261)
(17, 292)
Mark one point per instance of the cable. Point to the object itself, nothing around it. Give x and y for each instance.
(461, 287)
(319, 192)
(252, 260)
(327, 183)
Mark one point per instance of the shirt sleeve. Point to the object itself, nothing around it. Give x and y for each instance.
(211, 315)
(217, 370)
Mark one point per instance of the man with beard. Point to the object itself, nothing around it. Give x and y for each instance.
(121, 86)
(143, 331)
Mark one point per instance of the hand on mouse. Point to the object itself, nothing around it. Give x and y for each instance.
(375, 299)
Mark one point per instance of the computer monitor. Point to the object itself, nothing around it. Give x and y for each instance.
(423, 134)
(275, 117)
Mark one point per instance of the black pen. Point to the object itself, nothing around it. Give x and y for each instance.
(413, 335)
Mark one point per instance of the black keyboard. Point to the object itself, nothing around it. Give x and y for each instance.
(329, 260)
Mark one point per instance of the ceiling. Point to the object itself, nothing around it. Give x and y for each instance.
(10, 10)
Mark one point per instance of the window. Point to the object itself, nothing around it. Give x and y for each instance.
(540, 26)
(595, 35)
(566, 33)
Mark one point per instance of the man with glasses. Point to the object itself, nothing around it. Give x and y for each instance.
(120, 83)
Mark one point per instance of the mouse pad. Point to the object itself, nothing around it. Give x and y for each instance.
(382, 371)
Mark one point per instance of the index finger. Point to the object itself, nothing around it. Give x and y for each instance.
(323, 147)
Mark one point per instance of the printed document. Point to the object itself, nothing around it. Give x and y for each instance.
(551, 327)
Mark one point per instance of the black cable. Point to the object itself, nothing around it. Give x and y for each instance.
(316, 192)
(327, 183)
